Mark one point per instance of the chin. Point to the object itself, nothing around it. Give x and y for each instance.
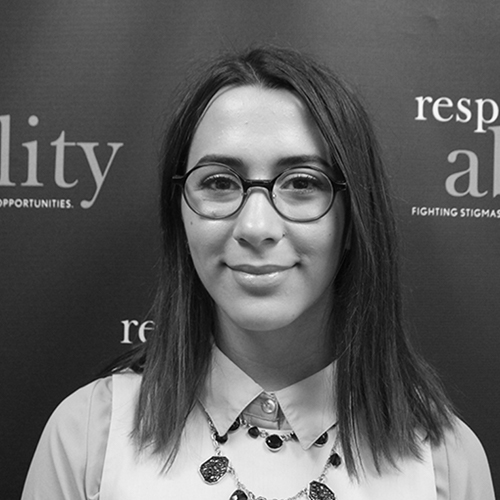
(262, 322)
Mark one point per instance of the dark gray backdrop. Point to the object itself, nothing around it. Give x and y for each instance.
(81, 79)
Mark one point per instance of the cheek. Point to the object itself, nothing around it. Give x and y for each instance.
(206, 241)
(192, 234)
(327, 242)
(326, 255)
(329, 258)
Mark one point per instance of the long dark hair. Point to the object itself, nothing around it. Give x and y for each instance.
(384, 391)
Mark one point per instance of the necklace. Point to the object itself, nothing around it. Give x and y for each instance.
(274, 441)
(217, 466)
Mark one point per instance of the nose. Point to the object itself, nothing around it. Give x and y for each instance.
(258, 223)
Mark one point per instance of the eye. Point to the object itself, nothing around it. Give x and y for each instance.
(303, 183)
(215, 179)
(220, 183)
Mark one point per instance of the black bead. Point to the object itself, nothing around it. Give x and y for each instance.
(335, 459)
(321, 440)
(274, 442)
(254, 432)
(221, 439)
(239, 495)
(294, 436)
(235, 426)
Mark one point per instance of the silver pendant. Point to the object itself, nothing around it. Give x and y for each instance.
(239, 495)
(319, 491)
(214, 469)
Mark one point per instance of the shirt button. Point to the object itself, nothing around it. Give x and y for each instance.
(268, 406)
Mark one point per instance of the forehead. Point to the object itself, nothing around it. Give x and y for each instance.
(247, 98)
(258, 122)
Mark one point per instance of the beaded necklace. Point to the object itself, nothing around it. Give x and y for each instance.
(217, 466)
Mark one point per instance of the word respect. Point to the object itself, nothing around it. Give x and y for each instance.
(443, 109)
(484, 112)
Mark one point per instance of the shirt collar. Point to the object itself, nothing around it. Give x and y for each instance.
(308, 405)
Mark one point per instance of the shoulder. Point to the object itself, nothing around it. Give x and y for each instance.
(92, 402)
(461, 466)
(74, 413)
(97, 391)
(88, 411)
(70, 454)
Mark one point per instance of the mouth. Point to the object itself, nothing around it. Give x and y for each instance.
(260, 279)
(260, 270)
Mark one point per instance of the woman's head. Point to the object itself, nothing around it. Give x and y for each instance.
(268, 261)
(344, 131)
(384, 391)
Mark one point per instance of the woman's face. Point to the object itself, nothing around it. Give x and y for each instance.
(263, 272)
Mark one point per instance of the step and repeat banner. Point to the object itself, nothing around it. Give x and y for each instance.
(85, 90)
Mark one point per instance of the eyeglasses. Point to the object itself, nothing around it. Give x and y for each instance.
(299, 194)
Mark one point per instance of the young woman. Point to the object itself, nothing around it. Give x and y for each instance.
(279, 366)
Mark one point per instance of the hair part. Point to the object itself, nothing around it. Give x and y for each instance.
(385, 392)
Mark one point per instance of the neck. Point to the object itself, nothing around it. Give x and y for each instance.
(279, 358)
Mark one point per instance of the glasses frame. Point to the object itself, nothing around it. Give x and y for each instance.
(268, 184)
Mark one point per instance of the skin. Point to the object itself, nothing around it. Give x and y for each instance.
(271, 279)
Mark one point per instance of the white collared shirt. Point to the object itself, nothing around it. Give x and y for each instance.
(85, 451)
(307, 406)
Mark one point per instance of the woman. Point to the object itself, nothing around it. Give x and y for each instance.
(279, 367)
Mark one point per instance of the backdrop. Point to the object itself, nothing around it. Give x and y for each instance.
(84, 90)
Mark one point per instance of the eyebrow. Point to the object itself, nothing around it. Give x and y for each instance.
(230, 161)
(288, 161)
(291, 161)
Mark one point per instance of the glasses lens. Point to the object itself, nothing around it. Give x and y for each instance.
(303, 194)
(213, 191)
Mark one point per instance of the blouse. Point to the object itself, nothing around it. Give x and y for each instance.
(86, 453)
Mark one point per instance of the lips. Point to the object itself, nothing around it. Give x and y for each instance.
(259, 270)
(260, 279)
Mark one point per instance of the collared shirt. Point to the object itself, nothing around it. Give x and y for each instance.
(85, 452)
(306, 407)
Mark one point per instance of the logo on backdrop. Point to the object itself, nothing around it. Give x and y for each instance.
(481, 114)
(133, 330)
(32, 186)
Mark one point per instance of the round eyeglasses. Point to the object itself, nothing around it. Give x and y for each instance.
(299, 194)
